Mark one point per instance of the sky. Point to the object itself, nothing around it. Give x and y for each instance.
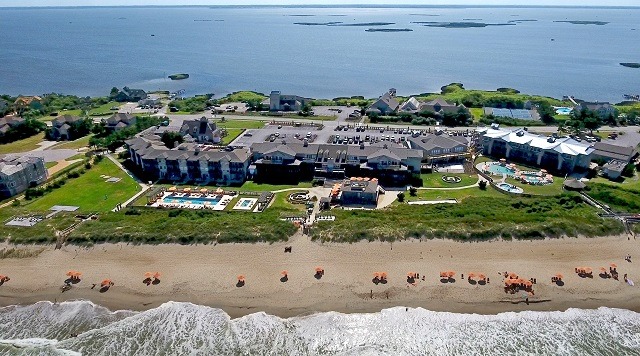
(9, 3)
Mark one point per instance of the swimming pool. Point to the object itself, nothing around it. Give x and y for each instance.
(510, 188)
(192, 201)
(499, 169)
(564, 111)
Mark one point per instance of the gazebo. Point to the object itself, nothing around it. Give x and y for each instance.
(573, 184)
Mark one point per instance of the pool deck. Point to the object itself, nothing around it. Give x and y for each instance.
(218, 206)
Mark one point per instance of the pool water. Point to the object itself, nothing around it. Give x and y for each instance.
(246, 203)
(500, 169)
(510, 188)
(564, 111)
(194, 201)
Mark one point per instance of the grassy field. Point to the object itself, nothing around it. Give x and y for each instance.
(241, 124)
(104, 110)
(232, 134)
(457, 194)
(24, 145)
(74, 145)
(434, 180)
(90, 192)
(619, 198)
(475, 218)
(243, 96)
(554, 188)
(477, 113)
(50, 164)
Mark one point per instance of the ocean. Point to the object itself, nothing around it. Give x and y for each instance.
(82, 328)
(86, 51)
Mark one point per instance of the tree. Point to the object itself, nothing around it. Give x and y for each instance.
(482, 184)
(401, 197)
(172, 139)
(114, 92)
(591, 123)
(546, 112)
(629, 170)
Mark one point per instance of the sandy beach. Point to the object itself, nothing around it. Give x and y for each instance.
(206, 275)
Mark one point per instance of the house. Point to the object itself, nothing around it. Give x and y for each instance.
(604, 110)
(557, 154)
(23, 103)
(188, 162)
(61, 125)
(441, 106)
(441, 148)
(385, 105)
(608, 152)
(201, 130)
(120, 121)
(280, 102)
(130, 95)
(360, 192)
(411, 105)
(9, 122)
(18, 174)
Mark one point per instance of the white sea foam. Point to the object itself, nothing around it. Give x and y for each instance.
(188, 329)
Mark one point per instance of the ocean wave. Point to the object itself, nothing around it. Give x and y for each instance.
(185, 328)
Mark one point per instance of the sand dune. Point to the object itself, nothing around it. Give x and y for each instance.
(207, 274)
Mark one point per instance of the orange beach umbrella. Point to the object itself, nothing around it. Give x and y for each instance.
(481, 276)
(376, 274)
(148, 274)
(284, 273)
(444, 274)
(602, 269)
(157, 275)
(472, 275)
(559, 276)
(587, 269)
(383, 275)
(513, 275)
(613, 265)
(451, 274)
(106, 282)
(319, 269)
(241, 277)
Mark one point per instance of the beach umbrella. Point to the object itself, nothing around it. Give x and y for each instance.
(450, 274)
(472, 275)
(284, 273)
(503, 159)
(106, 282)
(543, 170)
(319, 269)
(173, 189)
(156, 275)
(376, 274)
(513, 275)
(559, 276)
(613, 265)
(508, 282)
(204, 190)
(241, 278)
(148, 274)
(527, 283)
(411, 274)
(482, 277)
(219, 191)
(186, 189)
(353, 179)
(587, 270)
(602, 269)
(383, 275)
(444, 274)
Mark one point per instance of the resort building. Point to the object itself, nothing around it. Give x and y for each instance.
(120, 121)
(18, 174)
(441, 148)
(151, 103)
(558, 154)
(385, 105)
(9, 122)
(61, 126)
(359, 191)
(188, 162)
(130, 95)
(201, 131)
(280, 102)
(604, 110)
(615, 158)
(299, 161)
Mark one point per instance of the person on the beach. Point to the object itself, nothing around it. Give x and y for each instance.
(93, 286)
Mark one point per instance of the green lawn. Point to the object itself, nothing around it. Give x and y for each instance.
(232, 134)
(250, 186)
(104, 110)
(241, 124)
(24, 145)
(477, 113)
(549, 189)
(90, 192)
(434, 180)
(76, 144)
(458, 194)
(627, 183)
(50, 164)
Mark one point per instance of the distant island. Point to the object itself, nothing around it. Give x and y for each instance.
(339, 23)
(574, 22)
(630, 65)
(180, 76)
(460, 24)
(389, 30)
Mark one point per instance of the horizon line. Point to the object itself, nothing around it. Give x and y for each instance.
(328, 6)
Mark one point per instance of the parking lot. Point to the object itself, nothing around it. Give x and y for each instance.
(342, 113)
(335, 134)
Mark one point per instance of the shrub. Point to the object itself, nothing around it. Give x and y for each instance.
(401, 197)
(482, 184)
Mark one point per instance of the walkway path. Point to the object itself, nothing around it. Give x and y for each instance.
(143, 187)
